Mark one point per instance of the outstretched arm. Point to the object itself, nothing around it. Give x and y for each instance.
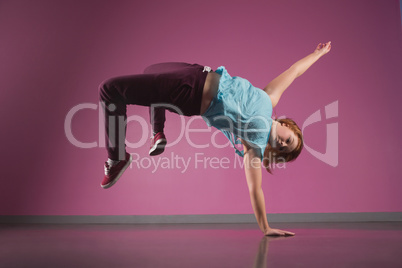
(277, 86)
(252, 168)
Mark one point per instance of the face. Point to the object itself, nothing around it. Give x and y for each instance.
(283, 138)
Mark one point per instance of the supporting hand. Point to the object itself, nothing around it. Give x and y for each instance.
(323, 49)
(277, 232)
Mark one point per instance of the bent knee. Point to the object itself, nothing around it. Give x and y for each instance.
(106, 90)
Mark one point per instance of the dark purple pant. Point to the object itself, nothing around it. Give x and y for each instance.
(177, 86)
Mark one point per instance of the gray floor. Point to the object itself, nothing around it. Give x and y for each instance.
(201, 245)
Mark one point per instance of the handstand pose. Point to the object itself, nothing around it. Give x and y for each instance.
(231, 104)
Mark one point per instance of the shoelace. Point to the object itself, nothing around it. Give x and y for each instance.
(207, 68)
(107, 168)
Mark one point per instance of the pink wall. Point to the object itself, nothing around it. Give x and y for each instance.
(54, 54)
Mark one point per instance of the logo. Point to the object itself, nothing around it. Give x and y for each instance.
(330, 156)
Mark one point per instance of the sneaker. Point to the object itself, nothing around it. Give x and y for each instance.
(113, 173)
(158, 143)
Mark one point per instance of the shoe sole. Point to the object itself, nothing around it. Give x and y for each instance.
(158, 148)
(110, 184)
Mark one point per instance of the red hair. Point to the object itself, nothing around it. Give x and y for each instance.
(272, 155)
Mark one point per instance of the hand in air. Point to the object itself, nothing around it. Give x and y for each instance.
(323, 49)
(277, 232)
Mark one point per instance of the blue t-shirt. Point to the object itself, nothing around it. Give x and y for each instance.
(240, 110)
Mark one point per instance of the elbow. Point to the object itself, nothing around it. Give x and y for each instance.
(254, 189)
(295, 71)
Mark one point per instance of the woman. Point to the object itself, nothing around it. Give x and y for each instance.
(231, 104)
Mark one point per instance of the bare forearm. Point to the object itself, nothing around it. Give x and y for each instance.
(258, 203)
(302, 65)
(276, 87)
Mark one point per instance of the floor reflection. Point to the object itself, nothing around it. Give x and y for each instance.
(201, 245)
(262, 253)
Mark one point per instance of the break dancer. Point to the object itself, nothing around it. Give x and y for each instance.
(231, 104)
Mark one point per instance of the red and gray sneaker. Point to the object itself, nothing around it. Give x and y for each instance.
(113, 173)
(158, 143)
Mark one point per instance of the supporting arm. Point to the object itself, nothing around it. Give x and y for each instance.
(252, 168)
